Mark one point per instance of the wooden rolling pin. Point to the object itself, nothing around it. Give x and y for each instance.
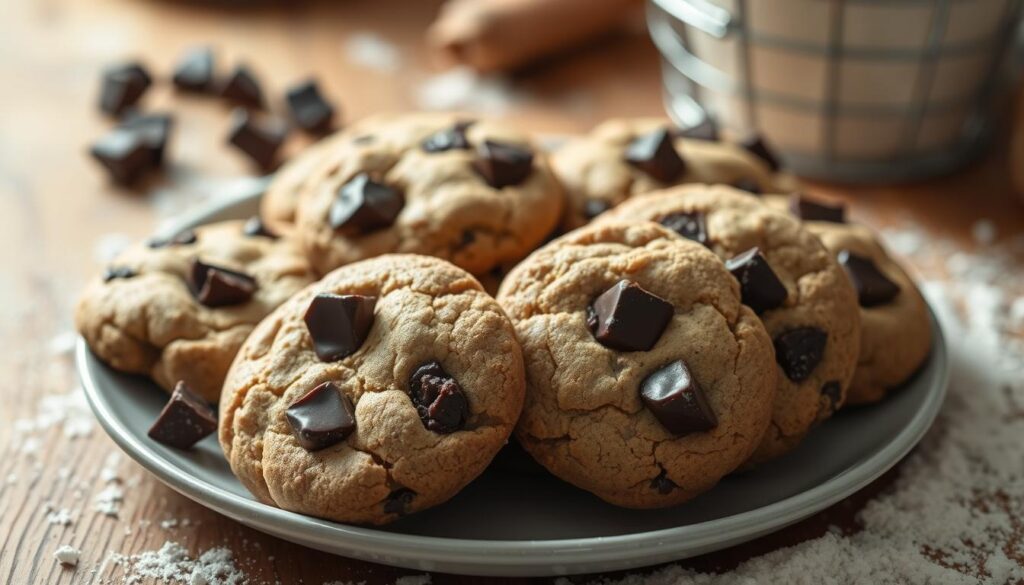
(490, 35)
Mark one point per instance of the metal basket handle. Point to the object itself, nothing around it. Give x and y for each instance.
(700, 14)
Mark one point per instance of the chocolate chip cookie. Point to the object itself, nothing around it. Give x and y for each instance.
(277, 207)
(788, 277)
(379, 391)
(895, 325)
(645, 374)
(623, 158)
(475, 193)
(177, 309)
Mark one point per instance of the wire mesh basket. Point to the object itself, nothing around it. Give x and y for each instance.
(849, 90)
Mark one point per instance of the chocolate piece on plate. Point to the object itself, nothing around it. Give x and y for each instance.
(184, 420)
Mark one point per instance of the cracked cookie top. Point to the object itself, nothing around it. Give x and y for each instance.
(157, 311)
(645, 375)
(800, 292)
(626, 157)
(473, 192)
(379, 391)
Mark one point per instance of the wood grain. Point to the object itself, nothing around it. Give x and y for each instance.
(55, 206)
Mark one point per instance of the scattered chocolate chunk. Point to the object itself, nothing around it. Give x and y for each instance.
(254, 227)
(339, 324)
(809, 209)
(438, 399)
(364, 205)
(502, 164)
(115, 272)
(216, 286)
(398, 501)
(194, 71)
(692, 226)
(308, 107)
(122, 87)
(154, 130)
(760, 287)
(676, 399)
(185, 419)
(654, 154)
(628, 318)
(759, 148)
(259, 140)
(873, 288)
(449, 138)
(181, 238)
(707, 129)
(595, 207)
(243, 88)
(321, 418)
(662, 484)
(124, 154)
(834, 392)
(749, 185)
(799, 351)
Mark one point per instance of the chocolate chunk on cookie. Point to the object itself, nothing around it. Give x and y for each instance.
(321, 418)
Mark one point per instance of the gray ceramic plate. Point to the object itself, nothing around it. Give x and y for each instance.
(515, 520)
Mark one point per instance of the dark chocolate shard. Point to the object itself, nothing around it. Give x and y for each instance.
(216, 286)
(258, 139)
(324, 416)
(242, 87)
(194, 71)
(873, 287)
(453, 138)
(758, 146)
(185, 419)
(503, 164)
(760, 287)
(628, 318)
(364, 205)
(809, 209)
(308, 107)
(654, 154)
(676, 399)
(798, 351)
(692, 226)
(122, 87)
(339, 324)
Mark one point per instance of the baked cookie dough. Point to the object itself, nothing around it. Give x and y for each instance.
(476, 193)
(627, 157)
(379, 391)
(895, 327)
(156, 311)
(280, 200)
(645, 374)
(800, 292)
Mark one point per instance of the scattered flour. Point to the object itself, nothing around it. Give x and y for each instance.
(62, 343)
(62, 517)
(69, 410)
(109, 473)
(67, 555)
(172, 564)
(371, 51)
(108, 501)
(949, 517)
(461, 88)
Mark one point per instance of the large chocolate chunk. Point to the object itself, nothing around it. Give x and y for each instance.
(364, 205)
(654, 154)
(321, 418)
(759, 148)
(438, 398)
(873, 288)
(692, 226)
(398, 501)
(260, 140)
(502, 164)
(122, 87)
(216, 286)
(760, 287)
(243, 88)
(448, 139)
(255, 227)
(339, 324)
(124, 154)
(154, 130)
(308, 107)
(676, 399)
(799, 351)
(194, 71)
(184, 420)
(628, 318)
(809, 209)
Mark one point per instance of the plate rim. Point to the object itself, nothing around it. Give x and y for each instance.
(558, 556)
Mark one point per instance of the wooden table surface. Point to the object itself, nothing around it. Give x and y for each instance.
(55, 206)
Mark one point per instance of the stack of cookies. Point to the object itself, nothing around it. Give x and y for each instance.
(399, 309)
